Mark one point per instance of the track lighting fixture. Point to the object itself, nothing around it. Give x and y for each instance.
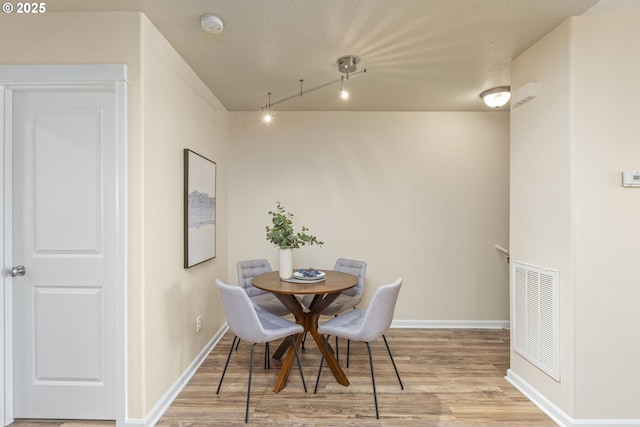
(346, 65)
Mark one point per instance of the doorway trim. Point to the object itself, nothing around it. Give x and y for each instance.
(29, 77)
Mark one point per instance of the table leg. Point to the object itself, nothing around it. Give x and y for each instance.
(292, 303)
(287, 364)
(282, 349)
(310, 323)
(316, 310)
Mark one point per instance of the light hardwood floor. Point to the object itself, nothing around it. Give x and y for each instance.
(452, 377)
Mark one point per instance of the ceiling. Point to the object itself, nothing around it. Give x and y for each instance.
(419, 55)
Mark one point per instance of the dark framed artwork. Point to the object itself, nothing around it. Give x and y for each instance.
(199, 209)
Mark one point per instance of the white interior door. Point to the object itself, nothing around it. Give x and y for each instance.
(64, 234)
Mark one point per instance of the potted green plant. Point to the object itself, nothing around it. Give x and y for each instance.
(283, 235)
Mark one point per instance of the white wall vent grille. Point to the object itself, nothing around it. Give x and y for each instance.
(536, 331)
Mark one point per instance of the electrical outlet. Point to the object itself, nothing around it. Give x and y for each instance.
(199, 323)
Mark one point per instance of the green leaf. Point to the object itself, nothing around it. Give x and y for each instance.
(282, 233)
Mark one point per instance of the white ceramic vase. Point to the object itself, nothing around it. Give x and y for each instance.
(286, 263)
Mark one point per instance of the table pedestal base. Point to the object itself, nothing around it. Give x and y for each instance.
(308, 320)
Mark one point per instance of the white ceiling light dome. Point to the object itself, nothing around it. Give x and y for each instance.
(496, 97)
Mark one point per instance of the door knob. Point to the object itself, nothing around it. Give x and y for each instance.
(18, 270)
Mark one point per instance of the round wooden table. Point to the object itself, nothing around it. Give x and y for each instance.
(325, 293)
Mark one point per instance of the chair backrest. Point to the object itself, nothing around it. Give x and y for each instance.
(379, 314)
(249, 269)
(358, 269)
(241, 314)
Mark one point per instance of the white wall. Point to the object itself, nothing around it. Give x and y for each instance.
(540, 222)
(585, 122)
(418, 195)
(606, 127)
(178, 112)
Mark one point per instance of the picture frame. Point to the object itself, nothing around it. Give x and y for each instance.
(199, 209)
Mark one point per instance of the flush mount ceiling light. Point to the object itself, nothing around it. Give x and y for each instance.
(496, 97)
(211, 23)
(346, 65)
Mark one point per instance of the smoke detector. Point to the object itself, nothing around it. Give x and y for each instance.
(211, 23)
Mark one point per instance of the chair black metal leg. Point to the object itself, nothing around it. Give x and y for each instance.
(246, 412)
(324, 353)
(373, 380)
(237, 344)
(304, 338)
(293, 343)
(393, 362)
(348, 348)
(224, 371)
(337, 349)
(267, 362)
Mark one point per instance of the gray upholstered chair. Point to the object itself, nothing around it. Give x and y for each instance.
(351, 297)
(247, 270)
(347, 299)
(365, 326)
(263, 300)
(253, 325)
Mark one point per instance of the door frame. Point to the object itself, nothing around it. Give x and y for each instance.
(72, 77)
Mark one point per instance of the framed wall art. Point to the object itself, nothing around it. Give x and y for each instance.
(199, 209)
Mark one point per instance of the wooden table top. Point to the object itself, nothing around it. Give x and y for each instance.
(335, 281)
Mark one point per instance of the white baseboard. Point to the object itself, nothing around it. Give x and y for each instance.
(557, 414)
(163, 404)
(451, 324)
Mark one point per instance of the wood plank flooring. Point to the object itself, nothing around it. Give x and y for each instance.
(452, 377)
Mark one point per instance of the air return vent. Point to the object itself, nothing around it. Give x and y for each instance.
(536, 316)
